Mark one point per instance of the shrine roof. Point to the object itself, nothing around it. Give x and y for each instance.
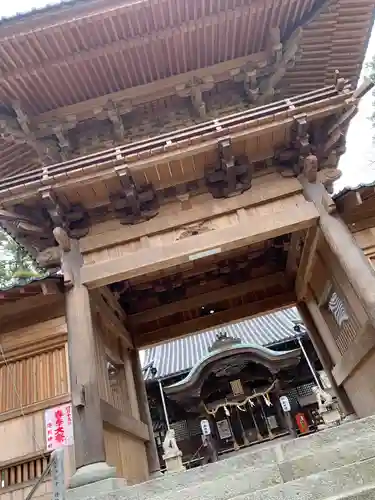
(353, 189)
(181, 355)
(99, 62)
(24, 287)
(71, 52)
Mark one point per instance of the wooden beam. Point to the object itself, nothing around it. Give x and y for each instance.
(229, 292)
(111, 320)
(266, 188)
(218, 319)
(130, 425)
(307, 262)
(279, 218)
(26, 305)
(293, 253)
(43, 124)
(352, 260)
(34, 408)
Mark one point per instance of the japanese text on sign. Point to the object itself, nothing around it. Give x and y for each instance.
(59, 426)
(285, 404)
(205, 427)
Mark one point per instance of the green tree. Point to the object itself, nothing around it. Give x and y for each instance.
(16, 265)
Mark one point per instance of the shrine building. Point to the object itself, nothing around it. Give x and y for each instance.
(197, 382)
(170, 166)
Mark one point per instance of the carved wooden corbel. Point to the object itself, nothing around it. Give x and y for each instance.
(231, 176)
(46, 152)
(299, 157)
(134, 204)
(74, 218)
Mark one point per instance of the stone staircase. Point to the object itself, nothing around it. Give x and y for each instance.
(337, 463)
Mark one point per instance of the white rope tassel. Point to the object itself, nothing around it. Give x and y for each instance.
(227, 412)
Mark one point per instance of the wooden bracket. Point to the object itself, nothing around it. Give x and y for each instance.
(298, 157)
(282, 60)
(63, 141)
(74, 219)
(46, 153)
(194, 89)
(115, 118)
(231, 176)
(134, 204)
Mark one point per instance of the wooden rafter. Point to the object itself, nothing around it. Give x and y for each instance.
(285, 299)
(205, 299)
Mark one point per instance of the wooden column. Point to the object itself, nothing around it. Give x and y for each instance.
(324, 356)
(151, 449)
(87, 420)
(130, 384)
(340, 240)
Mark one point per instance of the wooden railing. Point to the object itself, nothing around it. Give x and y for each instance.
(24, 471)
(186, 137)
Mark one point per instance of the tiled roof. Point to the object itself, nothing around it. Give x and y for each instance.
(349, 189)
(181, 355)
(24, 282)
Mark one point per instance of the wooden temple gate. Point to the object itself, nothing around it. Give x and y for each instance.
(225, 213)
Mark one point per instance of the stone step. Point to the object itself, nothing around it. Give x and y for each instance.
(344, 481)
(223, 481)
(342, 450)
(308, 460)
(363, 493)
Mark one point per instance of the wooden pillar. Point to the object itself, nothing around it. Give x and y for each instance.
(151, 449)
(340, 240)
(89, 451)
(324, 356)
(87, 421)
(130, 384)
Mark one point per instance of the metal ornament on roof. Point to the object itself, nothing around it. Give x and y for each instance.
(224, 340)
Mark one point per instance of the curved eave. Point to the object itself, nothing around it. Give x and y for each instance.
(257, 354)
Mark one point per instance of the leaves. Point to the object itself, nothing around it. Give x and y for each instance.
(16, 265)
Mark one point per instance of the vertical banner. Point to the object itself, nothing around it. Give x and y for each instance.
(59, 426)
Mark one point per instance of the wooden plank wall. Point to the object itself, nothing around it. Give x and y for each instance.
(33, 377)
(115, 391)
(124, 450)
(127, 454)
(36, 378)
(349, 344)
